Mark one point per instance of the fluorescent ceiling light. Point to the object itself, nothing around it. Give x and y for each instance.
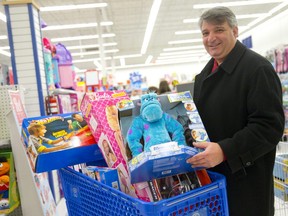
(94, 52)
(97, 64)
(274, 10)
(5, 48)
(187, 32)
(84, 37)
(241, 16)
(183, 48)
(89, 60)
(75, 26)
(107, 58)
(150, 25)
(128, 56)
(73, 7)
(182, 52)
(185, 41)
(3, 52)
(3, 17)
(235, 3)
(149, 59)
(3, 37)
(182, 56)
(174, 61)
(90, 46)
(122, 62)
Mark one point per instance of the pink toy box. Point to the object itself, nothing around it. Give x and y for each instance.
(100, 110)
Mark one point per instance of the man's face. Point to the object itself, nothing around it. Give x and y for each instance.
(218, 40)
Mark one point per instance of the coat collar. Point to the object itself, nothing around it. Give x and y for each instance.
(231, 60)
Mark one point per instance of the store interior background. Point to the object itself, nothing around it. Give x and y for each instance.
(175, 52)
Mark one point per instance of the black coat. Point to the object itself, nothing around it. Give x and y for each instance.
(241, 108)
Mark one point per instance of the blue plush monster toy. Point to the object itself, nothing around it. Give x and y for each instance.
(154, 126)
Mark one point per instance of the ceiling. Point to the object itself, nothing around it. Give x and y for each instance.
(130, 19)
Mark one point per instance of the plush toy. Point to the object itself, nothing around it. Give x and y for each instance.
(154, 126)
(4, 177)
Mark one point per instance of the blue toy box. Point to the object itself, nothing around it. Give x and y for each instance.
(161, 163)
(147, 165)
(57, 141)
(105, 175)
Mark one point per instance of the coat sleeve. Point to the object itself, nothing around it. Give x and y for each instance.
(265, 122)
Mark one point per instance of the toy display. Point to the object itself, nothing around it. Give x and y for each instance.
(9, 197)
(154, 126)
(53, 142)
(4, 175)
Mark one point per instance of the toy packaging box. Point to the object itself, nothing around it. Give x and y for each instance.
(105, 175)
(100, 110)
(58, 141)
(9, 195)
(173, 185)
(170, 159)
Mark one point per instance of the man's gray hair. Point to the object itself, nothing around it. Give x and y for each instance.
(218, 15)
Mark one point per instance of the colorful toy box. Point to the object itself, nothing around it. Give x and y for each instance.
(105, 175)
(161, 163)
(168, 161)
(57, 141)
(9, 199)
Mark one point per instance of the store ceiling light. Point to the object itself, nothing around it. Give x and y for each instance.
(236, 3)
(76, 26)
(84, 37)
(182, 56)
(182, 48)
(3, 52)
(3, 17)
(150, 25)
(182, 52)
(90, 46)
(3, 37)
(185, 41)
(241, 16)
(122, 62)
(94, 52)
(187, 32)
(73, 7)
(149, 59)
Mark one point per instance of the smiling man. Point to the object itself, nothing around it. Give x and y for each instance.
(239, 98)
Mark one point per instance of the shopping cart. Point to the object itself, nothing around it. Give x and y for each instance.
(280, 174)
(88, 197)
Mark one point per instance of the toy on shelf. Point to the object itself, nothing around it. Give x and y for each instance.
(4, 175)
(9, 196)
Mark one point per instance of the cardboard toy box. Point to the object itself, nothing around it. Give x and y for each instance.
(148, 165)
(9, 199)
(105, 175)
(58, 141)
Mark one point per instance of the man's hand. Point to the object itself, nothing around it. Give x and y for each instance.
(210, 157)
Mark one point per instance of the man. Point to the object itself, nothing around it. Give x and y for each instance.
(239, 98)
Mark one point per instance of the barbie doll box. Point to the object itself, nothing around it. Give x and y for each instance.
(57, 141)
